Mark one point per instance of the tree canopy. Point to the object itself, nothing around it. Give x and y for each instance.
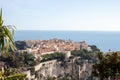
(107, 66)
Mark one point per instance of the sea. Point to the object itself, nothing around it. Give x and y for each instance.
(104, 40)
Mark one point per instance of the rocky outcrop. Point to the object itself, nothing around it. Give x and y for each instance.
(94, 48)
(67, 69)
(21, 45)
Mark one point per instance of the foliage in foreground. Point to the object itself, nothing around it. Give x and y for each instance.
(107, 66)
(6, 36)
(12, 74)
(7, 44)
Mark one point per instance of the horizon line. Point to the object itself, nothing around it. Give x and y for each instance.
(68, 30)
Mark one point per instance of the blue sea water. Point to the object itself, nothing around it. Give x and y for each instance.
(103, 40)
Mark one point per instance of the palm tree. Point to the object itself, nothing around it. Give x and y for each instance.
(7, 43)
(6, 36)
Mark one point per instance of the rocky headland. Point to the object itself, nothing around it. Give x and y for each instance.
(57, 59)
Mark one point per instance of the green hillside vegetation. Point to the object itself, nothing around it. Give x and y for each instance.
(18, 60)
(56, 55)
(84, 54)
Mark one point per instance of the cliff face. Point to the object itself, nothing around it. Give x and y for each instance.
(67, 69)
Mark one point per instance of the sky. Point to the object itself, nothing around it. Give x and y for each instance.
(86, 15)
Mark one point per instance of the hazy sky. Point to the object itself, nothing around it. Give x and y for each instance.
(62, 14)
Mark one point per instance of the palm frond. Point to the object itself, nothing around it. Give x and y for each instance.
(1, 21)
(6, 36)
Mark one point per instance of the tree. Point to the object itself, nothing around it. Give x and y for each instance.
(6, 36)
(28, 59)
(107, 66)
